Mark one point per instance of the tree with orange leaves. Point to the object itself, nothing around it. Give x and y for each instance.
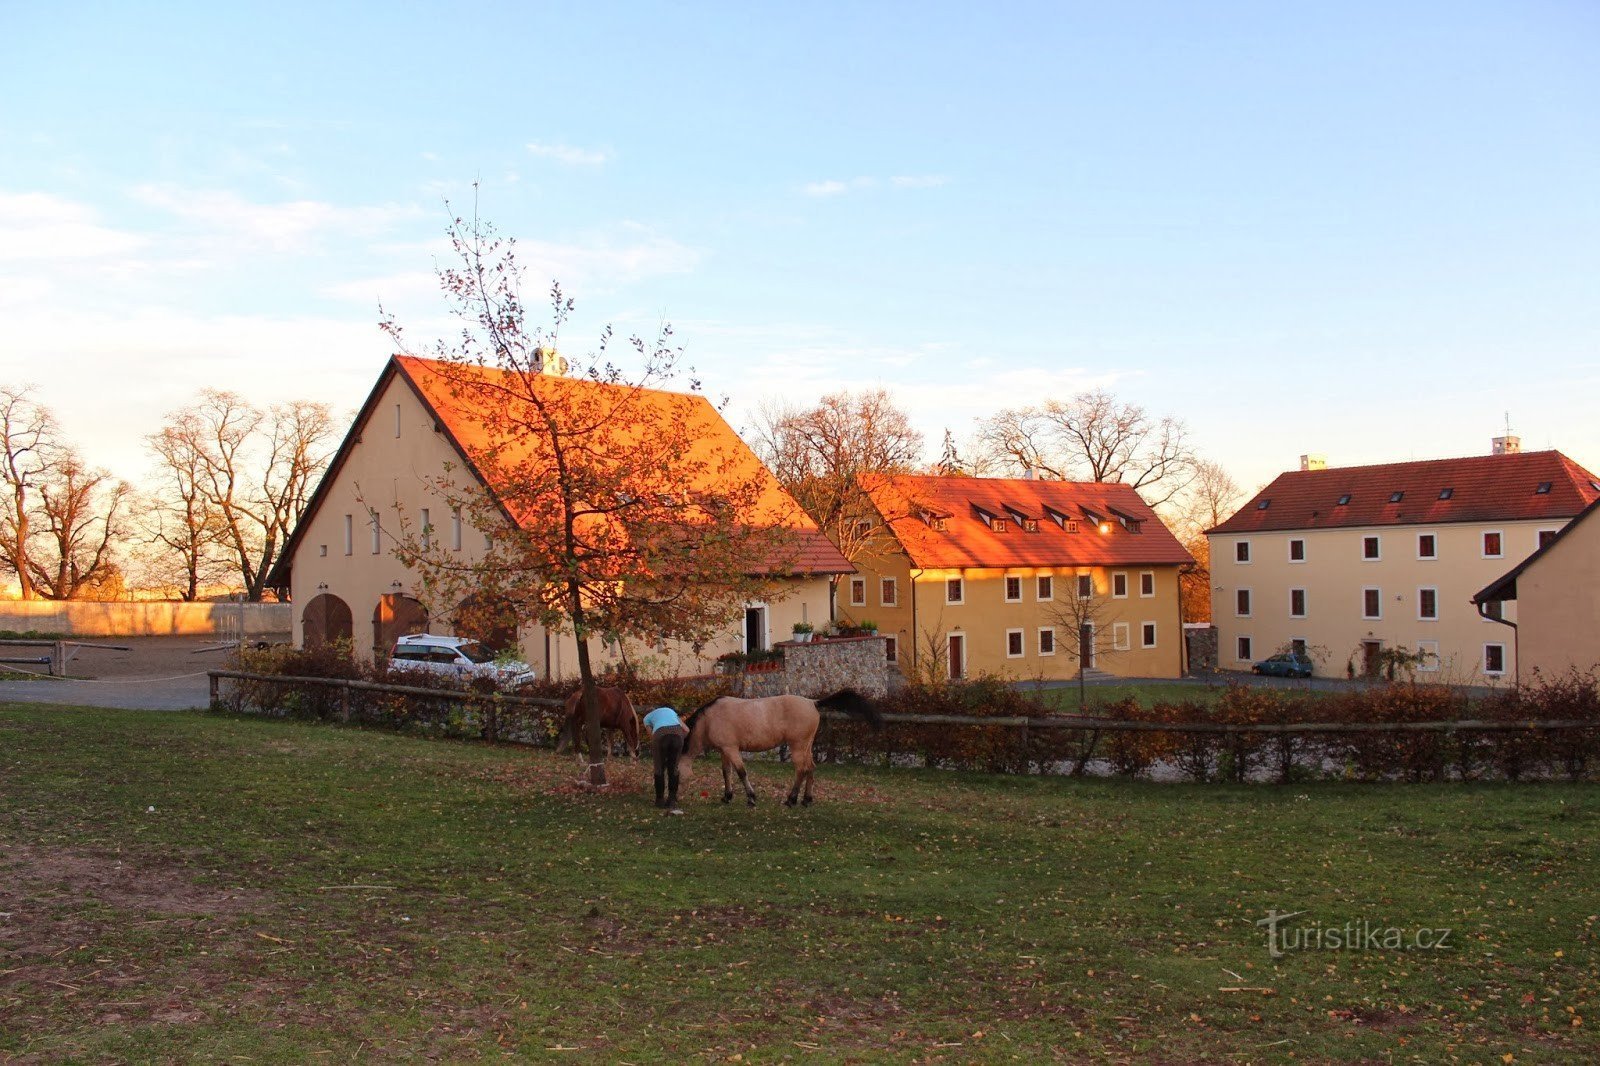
(608, 508)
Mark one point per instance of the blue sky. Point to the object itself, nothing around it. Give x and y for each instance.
(1366, 230)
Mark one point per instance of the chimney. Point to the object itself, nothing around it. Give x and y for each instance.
(1506, 445)
(1313, 461)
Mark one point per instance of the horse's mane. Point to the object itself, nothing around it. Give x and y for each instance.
(693, 720)
(854, 704)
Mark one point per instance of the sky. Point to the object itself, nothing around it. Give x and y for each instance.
(1366, 230)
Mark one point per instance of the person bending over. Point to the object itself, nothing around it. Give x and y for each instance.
(668, 736)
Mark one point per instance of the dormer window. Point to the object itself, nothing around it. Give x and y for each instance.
(1445, 494)
(933, 521)
(1069, 525)
(1396, 497)
(1028, 525)
(1543, 489)
(989, 518)
(1344, 500)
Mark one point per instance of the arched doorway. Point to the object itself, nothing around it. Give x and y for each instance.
(396, 615)
(326, 620)
(490, 622)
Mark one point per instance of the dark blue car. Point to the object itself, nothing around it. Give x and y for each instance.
(1284, 664)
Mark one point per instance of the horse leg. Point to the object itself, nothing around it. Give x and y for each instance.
(744, 779)
(727, 782)
(805, 771)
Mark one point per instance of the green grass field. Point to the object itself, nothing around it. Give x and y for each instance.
(187, 887)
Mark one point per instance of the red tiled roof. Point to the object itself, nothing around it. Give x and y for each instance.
(974, 509)
(1481, 488)
(816, 554)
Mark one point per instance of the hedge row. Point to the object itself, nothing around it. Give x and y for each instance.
(1509, 754)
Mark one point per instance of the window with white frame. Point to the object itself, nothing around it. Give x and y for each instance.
(1085, 586)
(1119, 636)
(1241, 551)
(858, 592)
(1045, 589)
(1493, 548)
(888, 592)
(377, 531)
(349, 534)
(1147, 634)
(1147, 583)
(1297, 603)
(1545, 536)
(1047, 640)
(1494, 658)
(1428, 655)
(1241, 649)
(1427, 546)
(455, 528)
(1119, 585)
(1013, 644)
(1241, 603)
(954, 590)
(1013, 589)
(1428, 604)
(1297, 550)
(1492, 611)
(1371, 603)
(1369, 548)
(427, 529)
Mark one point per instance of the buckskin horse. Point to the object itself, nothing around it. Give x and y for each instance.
(616, 712)
(731, 725)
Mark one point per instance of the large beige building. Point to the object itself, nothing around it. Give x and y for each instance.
(1352, 564)
(347, 582)
(1019, 579)
(1557, 596)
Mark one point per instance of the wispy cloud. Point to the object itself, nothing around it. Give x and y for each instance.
(568, 155)
(295, 225)
(838, 187)
(39, 226)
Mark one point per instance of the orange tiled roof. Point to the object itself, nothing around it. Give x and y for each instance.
(1479, 488)
(432, 381)
(1013, 522)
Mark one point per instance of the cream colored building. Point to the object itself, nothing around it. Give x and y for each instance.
(1019, 579)
(345, 580)
(1557, 595)
(1353, 563)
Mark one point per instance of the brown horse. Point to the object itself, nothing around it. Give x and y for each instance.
(616, 712)
(732, 725)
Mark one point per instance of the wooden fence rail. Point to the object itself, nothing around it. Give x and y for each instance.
(1079, 722)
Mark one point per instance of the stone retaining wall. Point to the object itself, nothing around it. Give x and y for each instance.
(822, 667)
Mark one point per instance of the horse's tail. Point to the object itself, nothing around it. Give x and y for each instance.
(697, 736)
(630, 722)
(854, 704)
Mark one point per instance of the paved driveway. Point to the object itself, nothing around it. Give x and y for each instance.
(154, 673)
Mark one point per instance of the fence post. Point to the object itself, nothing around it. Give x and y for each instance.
(215, 687)
(344, 702)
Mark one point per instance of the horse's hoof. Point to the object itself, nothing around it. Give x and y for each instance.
(727, 797)
(749, 801)
(790, 802)
(806, 802)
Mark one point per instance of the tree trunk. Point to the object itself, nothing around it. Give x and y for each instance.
(591, 717)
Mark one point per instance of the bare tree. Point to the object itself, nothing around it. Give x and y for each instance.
(249, 474)
(1083, 618)
(28, 433)
(82, 514)
(180, 518)
(820, 453)
(1092, 437)
(609, 511)
(1210, 499)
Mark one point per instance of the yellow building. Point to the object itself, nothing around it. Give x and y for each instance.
(1020, 579)
(1557, 596)
(1355, 565)
(347, 583)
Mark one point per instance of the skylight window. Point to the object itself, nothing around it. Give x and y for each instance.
(1543, 489)
(1263, 505)
(1445, 494)
(1396, 497)
(1344, 499)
